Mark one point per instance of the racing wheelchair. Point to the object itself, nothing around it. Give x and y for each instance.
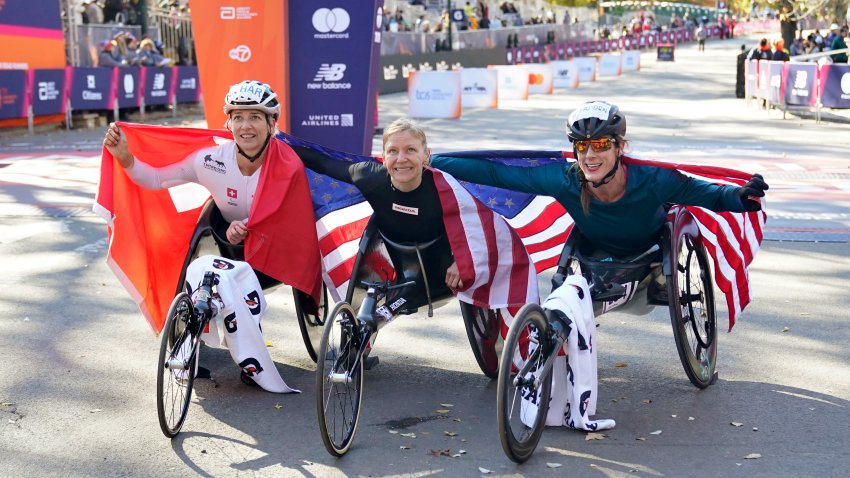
(389, 279)
(187, 319)
(537, 335)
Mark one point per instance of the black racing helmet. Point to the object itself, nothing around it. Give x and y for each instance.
(595, 119)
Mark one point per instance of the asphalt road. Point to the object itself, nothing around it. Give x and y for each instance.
(77, 380)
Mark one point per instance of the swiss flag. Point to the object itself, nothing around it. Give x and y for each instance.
(231, 193)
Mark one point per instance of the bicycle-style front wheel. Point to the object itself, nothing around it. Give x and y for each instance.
(339, 384)
(176, 365)
(522, 395)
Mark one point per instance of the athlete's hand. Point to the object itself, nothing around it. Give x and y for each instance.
(453, 277)
(116, 144)
(237, 232)
(754, 188)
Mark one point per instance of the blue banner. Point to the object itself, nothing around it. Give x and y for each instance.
(13, 85)
(32, 13)
(129, 85)
(334, 53)
(91, 89)
(836, 86)
(157, 85)
(188, 85)
(48, 91)
(800, 84)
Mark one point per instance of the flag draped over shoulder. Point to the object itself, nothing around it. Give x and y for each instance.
(731, 238)
(149, 231)
(493, 264)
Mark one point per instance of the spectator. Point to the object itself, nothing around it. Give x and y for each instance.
(131, 57)
(740, 86)
(92, 13)
(840, 43)
(833, 34)
(701, 34)
(107, 56)
(566, 17)
(779, 51)
(762, 51)
(111, 8)
(796, 47)
(817, 39)
(148, 56)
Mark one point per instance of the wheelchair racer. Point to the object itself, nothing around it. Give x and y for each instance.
(231, 174)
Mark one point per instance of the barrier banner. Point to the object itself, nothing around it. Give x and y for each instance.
(586, 69)
(775, 75)
(835, 85)
(91, 89)
(643, 41)
(49, 91)
(561, 51)
(610, 65)
(763, 80)
(800, 84)
(571, 50)
(479, 88)
(395, 69)
(13, 87)
(664, 37)
(541, 79)
(128, 85)
(336, 47)
(157, 85)
(565, 74)
(513, 82)
(31, 35)
(751, 73)
(434, 94)
(621, 43)
(187, 85)
(631, 60)
(239, 40)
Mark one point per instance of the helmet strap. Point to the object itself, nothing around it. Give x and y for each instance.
(259, 153)
(606, 179)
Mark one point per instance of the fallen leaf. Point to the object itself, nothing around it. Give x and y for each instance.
(278, 406)
(736, 424)
(443, 411)
(440, 452)
(394, 432)
(456, 419)
(755, 429)
(554, 465)
(752, 456)
(594, 436)
(463, 439)
(804, 313)
(462, 452)
(409, 435)
(95, 410)
(785, 329)
(307, 462)
(456, 455)
(484, 470)
(640, 438)
(404, 447)
(647, 401)
(269, 343)
(447, 405)
(656, 432)
(691, 419)
(450, 434)
(674, 416)
(621, 364)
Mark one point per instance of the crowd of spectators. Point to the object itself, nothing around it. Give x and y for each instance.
(815, 42)
(125, 50)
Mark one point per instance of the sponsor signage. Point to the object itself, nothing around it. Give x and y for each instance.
(13, 84)
(751, 74)
(91, 88)
(835, 84)
(609, 65)
(540, 78)
(631, 60)
(565, 74)
(434, 94)
(666, 51)
(479, 88)
(49, 94)
(513, 82)
(800, 84)
(128, 86)
(157, 85)
(31, 34)
(775, 70)
(763, 82)
(188, 85)
(586, 69)
(395, 69)
(336, 48)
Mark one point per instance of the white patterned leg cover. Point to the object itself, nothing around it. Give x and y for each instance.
(237, 325)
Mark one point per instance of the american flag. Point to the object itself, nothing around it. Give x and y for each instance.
(493, 264)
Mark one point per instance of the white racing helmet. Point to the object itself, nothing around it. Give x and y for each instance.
(252, 95)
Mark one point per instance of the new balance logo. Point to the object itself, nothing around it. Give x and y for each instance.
(330, 72)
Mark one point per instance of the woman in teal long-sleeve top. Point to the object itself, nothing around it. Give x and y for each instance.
(620, 209)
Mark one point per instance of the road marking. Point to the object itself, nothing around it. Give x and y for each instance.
(790, 166)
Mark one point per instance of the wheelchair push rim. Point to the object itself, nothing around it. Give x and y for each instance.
(482, 329)
(176, 365)
(339, 390)
(692, 309)
(312, 325)
(526, 348)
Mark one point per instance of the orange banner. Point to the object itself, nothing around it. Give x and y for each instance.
(239, 40)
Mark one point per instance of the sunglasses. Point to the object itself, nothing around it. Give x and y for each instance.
(598, 145)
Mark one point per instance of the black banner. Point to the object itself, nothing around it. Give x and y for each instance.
(396, 68)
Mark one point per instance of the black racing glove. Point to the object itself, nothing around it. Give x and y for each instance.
(755, 187)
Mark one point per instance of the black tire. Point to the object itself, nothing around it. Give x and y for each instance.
(692, 305)
(518, 439)
(338, 403)
(483, 327)
(312, 325)
(178, 345)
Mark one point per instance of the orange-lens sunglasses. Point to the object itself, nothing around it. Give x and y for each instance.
(598, 145)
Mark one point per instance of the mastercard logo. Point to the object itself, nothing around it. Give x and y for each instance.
(535, 78)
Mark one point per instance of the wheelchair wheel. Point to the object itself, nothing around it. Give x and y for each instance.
(177, 365)
(482, 330)
(339, 389)
(311, 323)
(692, 307)
(522, 401)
